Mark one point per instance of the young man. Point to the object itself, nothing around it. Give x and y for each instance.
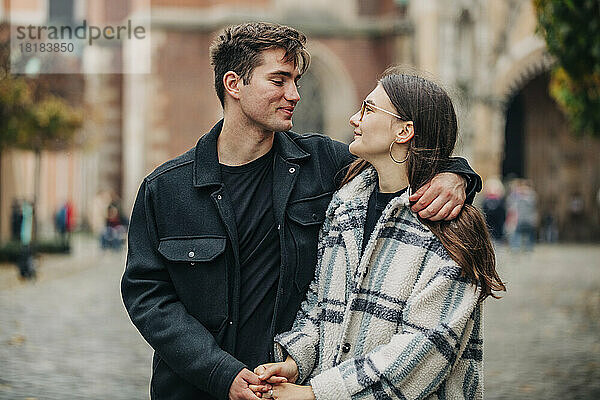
(223, 239)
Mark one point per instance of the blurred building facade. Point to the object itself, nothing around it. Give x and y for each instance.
(485, 51)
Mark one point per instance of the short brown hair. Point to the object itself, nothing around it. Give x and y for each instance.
(239, 48)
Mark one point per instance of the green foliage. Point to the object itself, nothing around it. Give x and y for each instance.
(47, 124)
(15, 100)
(52, 124)
(31, 117)
(572, 32)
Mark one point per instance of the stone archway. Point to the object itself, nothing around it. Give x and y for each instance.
(535, 133)
(516, 65)
(527, 59)
(510, 90)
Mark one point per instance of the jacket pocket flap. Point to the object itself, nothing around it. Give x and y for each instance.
(192, 249)
(309, 211)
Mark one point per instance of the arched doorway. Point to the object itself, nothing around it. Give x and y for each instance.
(562, 167)
(513, 163)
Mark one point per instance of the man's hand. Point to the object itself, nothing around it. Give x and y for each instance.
(274, 372)
(440, 199)
(240, 389)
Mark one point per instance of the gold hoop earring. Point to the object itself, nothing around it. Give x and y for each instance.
(392, 157)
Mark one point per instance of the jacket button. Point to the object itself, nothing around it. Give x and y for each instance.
(219, 197)
(346, 348)
(279, 227)
(192, 264)
(191, 254)
(314, 216)
(292, 170)
(230, 322)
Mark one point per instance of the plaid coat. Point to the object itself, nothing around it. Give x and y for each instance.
(397, 323)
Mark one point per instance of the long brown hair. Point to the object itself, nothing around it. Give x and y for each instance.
(466, 238)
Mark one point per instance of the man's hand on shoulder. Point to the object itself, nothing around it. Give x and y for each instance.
(442, 198)
(240, 390)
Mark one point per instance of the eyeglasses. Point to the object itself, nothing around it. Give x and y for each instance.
(365, 105)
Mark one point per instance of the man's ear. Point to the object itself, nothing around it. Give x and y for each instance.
(232, 83)
(406, 133)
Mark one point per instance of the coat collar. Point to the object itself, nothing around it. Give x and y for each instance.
(206, 161)
(349, 206)
(356, 193)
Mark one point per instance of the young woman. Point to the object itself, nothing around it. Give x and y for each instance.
(395, 308)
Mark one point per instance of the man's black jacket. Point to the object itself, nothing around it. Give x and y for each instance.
(182, 281)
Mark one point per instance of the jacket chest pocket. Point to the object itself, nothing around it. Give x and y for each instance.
(199, 272)
(307, 216)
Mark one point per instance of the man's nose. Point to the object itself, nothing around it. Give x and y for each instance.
(292, 93)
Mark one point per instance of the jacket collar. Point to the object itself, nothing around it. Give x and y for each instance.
(359, 189)
(287, 148)
(350, 207)
(206, 161)
(353, 198)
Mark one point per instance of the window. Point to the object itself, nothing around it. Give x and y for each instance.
(61, 11)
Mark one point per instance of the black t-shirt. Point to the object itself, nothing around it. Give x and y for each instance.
(377, 203)
(249, 187)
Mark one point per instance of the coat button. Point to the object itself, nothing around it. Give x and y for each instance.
(191, 254)
(292, 170)
(192, 264)
(279, 227)
(219, 197)
(314, 216)
(230, 322)
(346, 348)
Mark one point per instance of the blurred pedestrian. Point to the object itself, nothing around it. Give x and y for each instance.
(577, 217)
(549, 228)
(494, 207)
(60, 223)
(98, 214)
(521, 217)
(64, 222)
(115, 230)
(16, 219)
(25, 261)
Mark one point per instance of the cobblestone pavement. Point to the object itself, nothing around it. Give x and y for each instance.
(542, 340)
(67, 336)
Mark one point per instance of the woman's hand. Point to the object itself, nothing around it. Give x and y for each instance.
(274, 373)
(287, 369)
(289, 391)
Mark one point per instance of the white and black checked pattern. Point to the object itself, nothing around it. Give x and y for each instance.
(399, 323)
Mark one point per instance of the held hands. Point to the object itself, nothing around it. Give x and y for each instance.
(287, 369)
(442, 198)
(275, 382)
